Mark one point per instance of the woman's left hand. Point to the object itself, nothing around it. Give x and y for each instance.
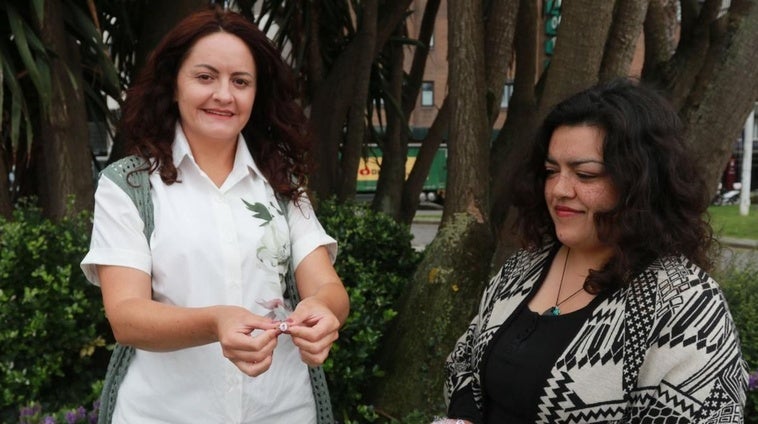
(313, 327)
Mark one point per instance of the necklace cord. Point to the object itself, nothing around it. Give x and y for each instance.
(555, 310)
(563, 274)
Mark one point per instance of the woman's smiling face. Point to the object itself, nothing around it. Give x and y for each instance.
(215, 89)
(577, 185)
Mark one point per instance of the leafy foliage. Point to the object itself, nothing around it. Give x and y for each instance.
(740, 287)
(53, 321)
(375, 262)
(26, 63)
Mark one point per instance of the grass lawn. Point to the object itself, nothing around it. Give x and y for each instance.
(727, 221)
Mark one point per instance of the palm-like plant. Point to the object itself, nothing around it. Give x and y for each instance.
(26, 63)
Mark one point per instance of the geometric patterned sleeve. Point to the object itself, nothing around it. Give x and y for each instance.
(694, 369)
(458, 366)
(462, 364)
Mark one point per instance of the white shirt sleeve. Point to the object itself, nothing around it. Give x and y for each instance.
(117, 234)
(306, 232)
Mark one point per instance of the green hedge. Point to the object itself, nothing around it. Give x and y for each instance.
(375, 262)
(740, 286)
(54, 334)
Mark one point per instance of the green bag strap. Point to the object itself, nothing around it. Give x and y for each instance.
(319, 386)
(130, 174)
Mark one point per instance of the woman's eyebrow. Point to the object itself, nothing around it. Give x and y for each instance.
(214, 70)
(576, 162)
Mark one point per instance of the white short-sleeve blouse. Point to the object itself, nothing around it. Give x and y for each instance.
(210, 246)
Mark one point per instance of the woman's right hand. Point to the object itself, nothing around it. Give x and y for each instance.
(246, 339)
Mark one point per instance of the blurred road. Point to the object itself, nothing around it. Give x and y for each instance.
(424, 227)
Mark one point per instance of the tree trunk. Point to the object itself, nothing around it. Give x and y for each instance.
(64, 167)
(715, 112)
(389, 186)
(498, 51)
(622, 40)
(660, 37)
(578, 50)
(517, 132)
(365, 41)
(448, 283)
(414, 183)
(332, 100)
(5, 195)
(680, 73)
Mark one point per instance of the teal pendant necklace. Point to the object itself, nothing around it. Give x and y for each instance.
(556, 310)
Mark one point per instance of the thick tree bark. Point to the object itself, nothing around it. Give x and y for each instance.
(626, 28)
(448, 284)
(715, 111)
(578, 51)
(63, 166)
(660, 34)
(679, 74)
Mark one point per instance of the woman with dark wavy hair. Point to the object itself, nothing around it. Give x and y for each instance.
(607, 314)
(194, 262)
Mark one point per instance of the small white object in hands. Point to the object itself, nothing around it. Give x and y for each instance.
(283, 327)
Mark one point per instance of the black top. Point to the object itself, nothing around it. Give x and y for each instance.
(522, 354)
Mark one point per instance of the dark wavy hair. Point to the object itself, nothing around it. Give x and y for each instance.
(663, 200)
(277, 133)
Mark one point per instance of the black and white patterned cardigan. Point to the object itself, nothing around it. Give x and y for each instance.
(663, 349)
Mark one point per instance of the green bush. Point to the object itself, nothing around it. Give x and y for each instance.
(52, 347)
(375, 262)
(740, 286)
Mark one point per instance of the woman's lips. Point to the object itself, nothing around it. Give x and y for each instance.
(565, 211)
(221, 113)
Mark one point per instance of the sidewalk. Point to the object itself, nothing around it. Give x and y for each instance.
(739, 243)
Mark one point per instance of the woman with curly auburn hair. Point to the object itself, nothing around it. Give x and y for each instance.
(197, 233)
(276, 132)
(607, 313)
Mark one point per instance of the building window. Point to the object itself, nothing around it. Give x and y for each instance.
(507, 93)
(431, 41)
(427, 93)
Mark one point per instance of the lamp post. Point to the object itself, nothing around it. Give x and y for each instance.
(747, 162)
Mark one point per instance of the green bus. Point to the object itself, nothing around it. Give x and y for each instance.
(434, 186)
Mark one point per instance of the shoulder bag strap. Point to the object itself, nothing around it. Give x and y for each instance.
(131, 175)
(318, 378)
